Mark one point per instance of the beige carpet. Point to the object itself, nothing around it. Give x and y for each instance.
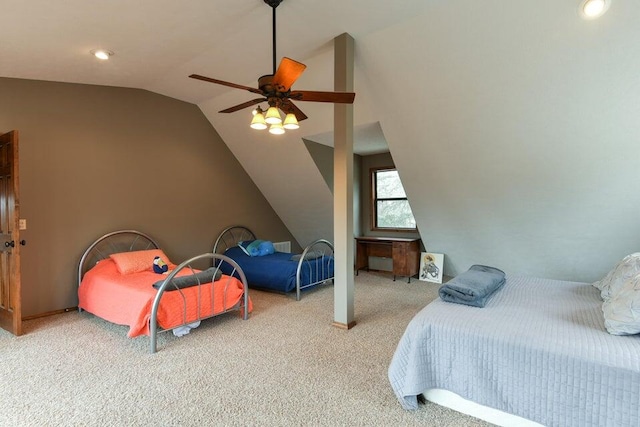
(285, 366)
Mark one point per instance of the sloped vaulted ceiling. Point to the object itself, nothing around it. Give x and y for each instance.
(513, 124)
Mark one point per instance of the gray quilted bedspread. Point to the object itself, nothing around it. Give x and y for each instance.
(538, 350)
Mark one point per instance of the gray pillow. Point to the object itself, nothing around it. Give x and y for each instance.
(309, 255)
(626, 269)
(622, 310)
(209, 275)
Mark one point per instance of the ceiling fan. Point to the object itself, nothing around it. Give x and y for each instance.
(276, 90)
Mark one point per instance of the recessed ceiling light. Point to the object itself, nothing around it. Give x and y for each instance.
(592, 9)
(102, 54)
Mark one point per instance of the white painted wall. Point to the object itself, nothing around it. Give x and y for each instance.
(514, 126)
(518, 136)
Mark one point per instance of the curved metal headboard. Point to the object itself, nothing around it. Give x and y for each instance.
(230, 237)
(111, 243)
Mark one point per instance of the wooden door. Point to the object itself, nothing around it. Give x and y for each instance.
(10, 302)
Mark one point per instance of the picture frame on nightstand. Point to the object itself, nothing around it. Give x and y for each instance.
(431, 266)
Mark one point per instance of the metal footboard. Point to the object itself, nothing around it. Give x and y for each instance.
(168, 284)
(317, 259)
(133, 240)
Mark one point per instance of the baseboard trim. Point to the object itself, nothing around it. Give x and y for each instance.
(49, 313)
(344, 325)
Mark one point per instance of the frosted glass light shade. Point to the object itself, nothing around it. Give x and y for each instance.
(290, 122)
(258, 122)
(276, 129)
(273, 116)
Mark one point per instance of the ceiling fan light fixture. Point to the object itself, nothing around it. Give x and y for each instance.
(275, 89)
(258, 122)
(290, 122)
(273, 116)
(276, 129)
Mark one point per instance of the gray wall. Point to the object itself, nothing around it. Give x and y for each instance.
(322, 156)
(362, 165)
(369, 162)
(94, 159)
(517, 139)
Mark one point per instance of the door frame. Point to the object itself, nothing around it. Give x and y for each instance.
(11, 317)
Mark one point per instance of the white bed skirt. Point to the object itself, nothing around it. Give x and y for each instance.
(451, 400)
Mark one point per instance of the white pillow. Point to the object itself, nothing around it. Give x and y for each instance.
(615, 279)
(622, 310)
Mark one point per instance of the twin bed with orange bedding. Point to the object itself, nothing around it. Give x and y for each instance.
(116, 283)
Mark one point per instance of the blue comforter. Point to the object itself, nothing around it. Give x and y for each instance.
(276, 271)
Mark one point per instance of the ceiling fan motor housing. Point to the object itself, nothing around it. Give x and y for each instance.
(273, 3)
(265, 83)
(273, 96)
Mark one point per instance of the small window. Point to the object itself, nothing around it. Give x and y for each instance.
(390, 207)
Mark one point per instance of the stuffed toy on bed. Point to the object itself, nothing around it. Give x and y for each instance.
(159, 266)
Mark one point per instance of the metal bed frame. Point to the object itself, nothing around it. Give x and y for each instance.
(230, 237)
(133, 240)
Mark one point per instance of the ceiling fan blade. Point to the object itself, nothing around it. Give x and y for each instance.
(289, 107)
(287, 73)
(316, 96)
(221, 82)
(243, 105)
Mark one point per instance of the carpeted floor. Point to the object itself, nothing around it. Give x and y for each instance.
(285, 366)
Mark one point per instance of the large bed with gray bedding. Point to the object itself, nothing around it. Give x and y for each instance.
(538, 349)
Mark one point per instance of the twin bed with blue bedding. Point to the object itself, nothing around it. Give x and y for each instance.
(277, 271)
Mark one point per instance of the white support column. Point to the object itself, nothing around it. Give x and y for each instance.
(343, 236)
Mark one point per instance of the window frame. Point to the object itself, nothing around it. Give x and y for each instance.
(373, 199)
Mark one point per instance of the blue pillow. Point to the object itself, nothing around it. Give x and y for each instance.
(266, 248)
(252, 248)
(244, 244)
(257, 247)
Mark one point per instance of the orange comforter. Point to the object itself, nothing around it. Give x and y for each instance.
(127, 299)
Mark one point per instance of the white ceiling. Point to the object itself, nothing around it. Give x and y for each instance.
(367, 139)
(158, 43)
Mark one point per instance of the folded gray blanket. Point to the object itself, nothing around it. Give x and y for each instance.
(473, 287)
(209, 275)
